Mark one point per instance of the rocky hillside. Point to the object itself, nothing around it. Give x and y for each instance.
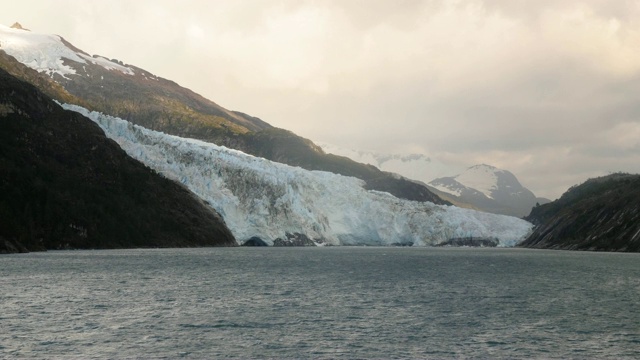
(64, 184)
(603, 214)
(132, 93)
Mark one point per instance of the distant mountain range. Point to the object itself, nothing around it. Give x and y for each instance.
(112, 87)
(481, 187)
(601, 214)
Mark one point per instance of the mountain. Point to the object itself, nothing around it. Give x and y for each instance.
(490, 189)
(132, 93)
(508, 197)
(265, 202)
(602, 214)
(64, 184)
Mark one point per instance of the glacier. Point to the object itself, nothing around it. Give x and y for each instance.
(258, 197)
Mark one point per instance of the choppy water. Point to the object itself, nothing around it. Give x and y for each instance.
(320, 303)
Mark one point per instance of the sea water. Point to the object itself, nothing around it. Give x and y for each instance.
(320, 303)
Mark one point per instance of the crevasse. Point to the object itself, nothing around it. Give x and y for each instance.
(257, 197)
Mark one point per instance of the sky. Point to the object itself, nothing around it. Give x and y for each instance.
(547, 89)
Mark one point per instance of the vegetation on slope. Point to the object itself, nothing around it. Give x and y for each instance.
(601, 214)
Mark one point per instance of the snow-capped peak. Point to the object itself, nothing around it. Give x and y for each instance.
(483, 178)
(487, 187)
(48, 53)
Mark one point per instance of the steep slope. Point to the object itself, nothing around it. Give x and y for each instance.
(44, 83)
(126, 91)
(64, 184)
(490, 189)
(602, 214)
(277, 203)
(118, 88)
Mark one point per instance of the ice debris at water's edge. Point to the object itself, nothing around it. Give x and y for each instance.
(257, 197)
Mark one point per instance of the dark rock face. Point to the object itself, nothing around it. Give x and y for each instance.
(255, 241)
(295, 239)
(603, 214)
(402, 244)
(64, 185)
(8, 247)
(471, 242)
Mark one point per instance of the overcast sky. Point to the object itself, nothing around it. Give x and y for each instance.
(549, 90)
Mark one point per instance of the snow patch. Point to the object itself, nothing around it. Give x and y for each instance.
(480, 177)
(43, 53)
(107, 64)
(47, 53)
